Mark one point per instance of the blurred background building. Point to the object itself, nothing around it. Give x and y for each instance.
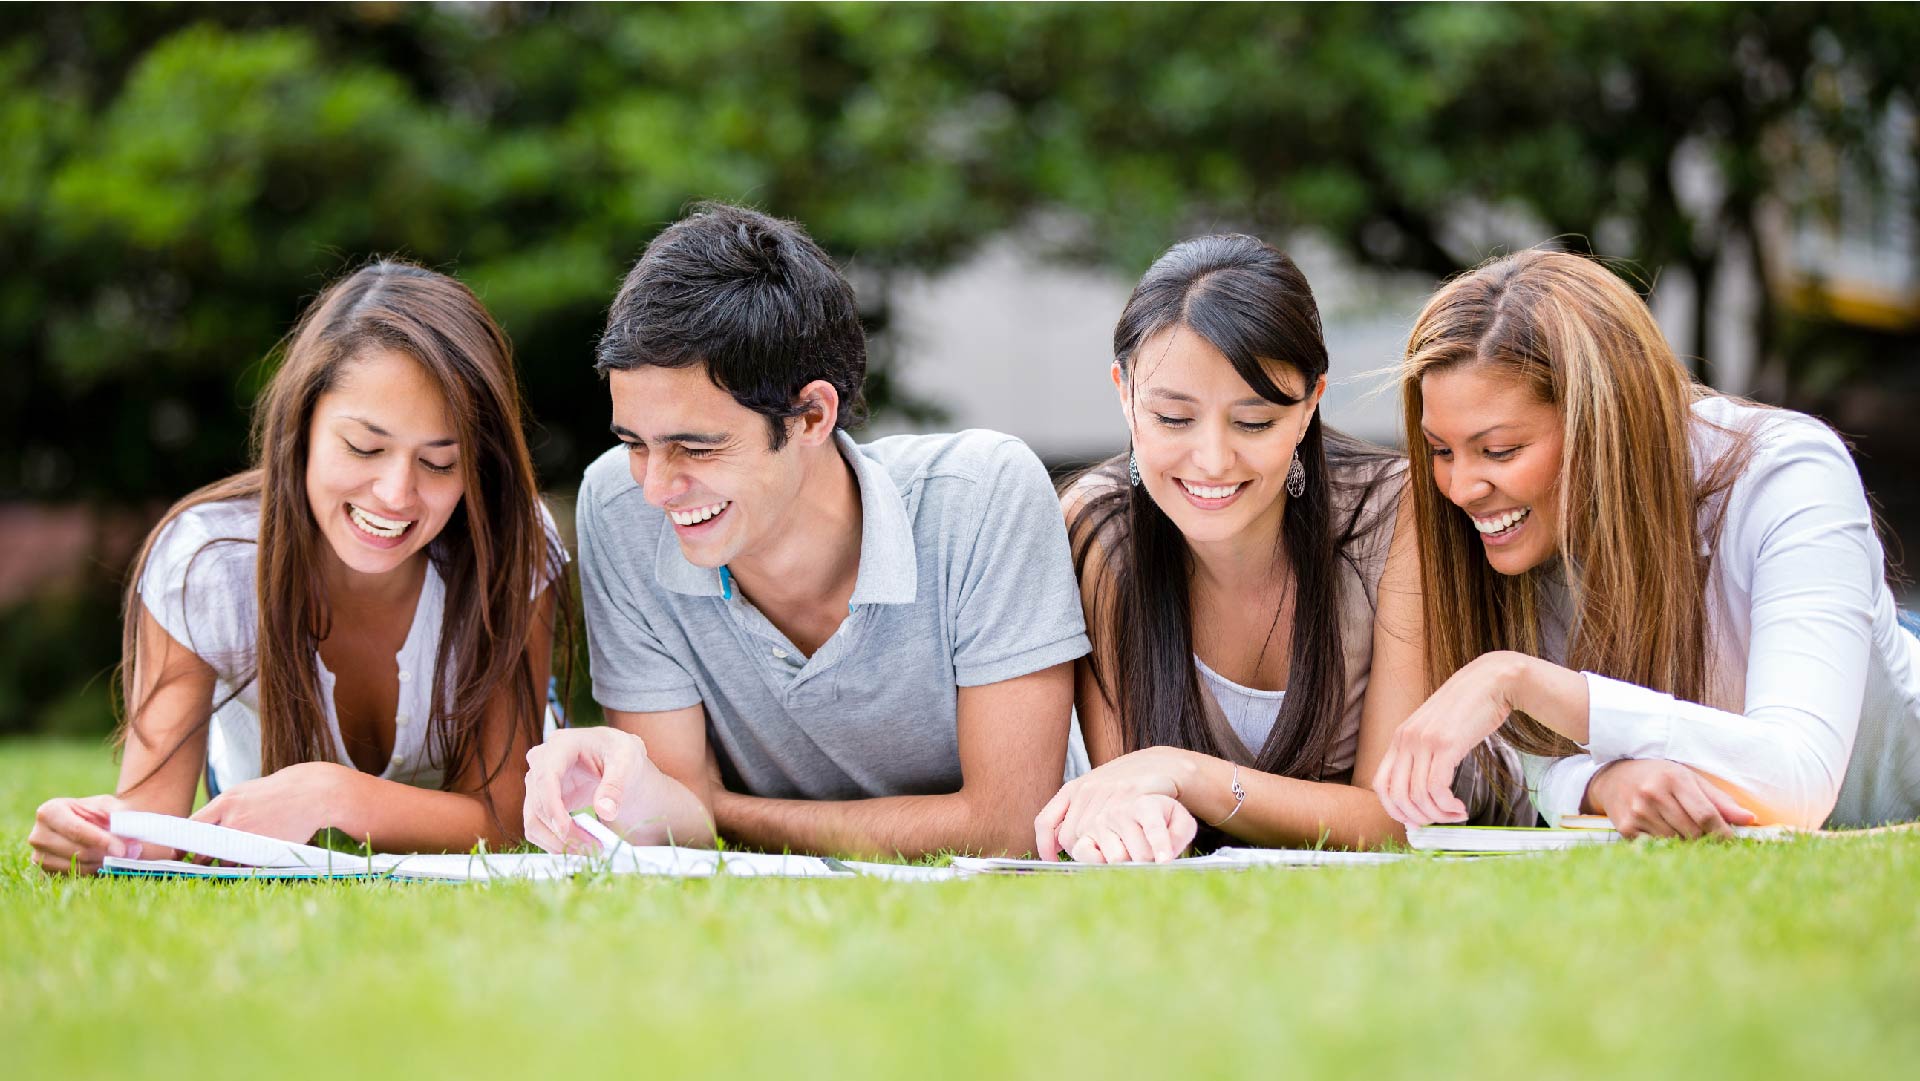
(180, 178)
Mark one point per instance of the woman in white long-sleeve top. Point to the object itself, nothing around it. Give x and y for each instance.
(1674, 602)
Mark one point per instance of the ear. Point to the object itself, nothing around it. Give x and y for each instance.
(815, 426)
(1120, 387)
(1313, 400)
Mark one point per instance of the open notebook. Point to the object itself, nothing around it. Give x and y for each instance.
(1574, 831)
(1220, 859)
(253, 856)
(249, 855)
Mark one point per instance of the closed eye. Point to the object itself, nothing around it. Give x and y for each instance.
(1253, 425)
(1503, 454)
(358, 452)
(1172, 422)
(1440, 452)
(435, 467)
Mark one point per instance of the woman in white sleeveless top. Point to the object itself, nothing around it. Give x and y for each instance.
(1675, 601)
(356, 632)
(1232, 571)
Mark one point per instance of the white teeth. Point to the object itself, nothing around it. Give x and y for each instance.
(376, 525)
(1201, 491)
(697, 514)
(1500, 523)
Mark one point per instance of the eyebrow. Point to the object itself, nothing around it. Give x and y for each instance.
(384, 434)
(1176, 396)
(1474, 438)
(677, 437)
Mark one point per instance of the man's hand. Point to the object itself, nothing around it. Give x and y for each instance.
(603, 769)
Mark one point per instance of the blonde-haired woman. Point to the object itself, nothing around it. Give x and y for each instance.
(1674, 602)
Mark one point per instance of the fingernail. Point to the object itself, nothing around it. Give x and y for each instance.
(133, 850)
(604, 808)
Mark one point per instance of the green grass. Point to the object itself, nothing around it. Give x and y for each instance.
(1794, 960)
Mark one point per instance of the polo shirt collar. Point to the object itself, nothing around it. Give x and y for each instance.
(889, 566)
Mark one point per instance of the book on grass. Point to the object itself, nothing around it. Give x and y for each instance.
(1221, 859)
(1574, 831)
(249, 855)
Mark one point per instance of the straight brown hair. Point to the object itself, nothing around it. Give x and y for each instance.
(1631, 502)
(492, 554)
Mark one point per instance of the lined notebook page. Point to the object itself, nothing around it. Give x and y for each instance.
(231, 845)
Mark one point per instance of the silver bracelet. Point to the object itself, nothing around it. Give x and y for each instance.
(1239, 798)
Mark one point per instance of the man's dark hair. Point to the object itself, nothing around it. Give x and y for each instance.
(754, 299)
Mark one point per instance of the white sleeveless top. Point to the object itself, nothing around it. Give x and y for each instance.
(1250, 712)
(199, 585)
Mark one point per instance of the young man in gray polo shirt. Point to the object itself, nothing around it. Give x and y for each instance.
(800, 641)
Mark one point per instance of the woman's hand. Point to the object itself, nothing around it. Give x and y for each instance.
(70, 835)
(292, 804)
(1656, 798)
(1126, 810)
(1415, 778)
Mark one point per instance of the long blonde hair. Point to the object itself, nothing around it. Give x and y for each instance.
(1629, 501)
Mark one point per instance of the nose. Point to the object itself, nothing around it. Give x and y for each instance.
(396, 485)
(661, 481)
(1213, 452)
(1463, 484)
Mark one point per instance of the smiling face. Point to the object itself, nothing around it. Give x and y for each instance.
(1496, 455)
(1213, 454)
(383, 470)
(704, 459)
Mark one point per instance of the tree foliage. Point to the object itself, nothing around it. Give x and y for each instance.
(179, 178)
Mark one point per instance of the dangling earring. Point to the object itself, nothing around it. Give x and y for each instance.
(1133, 469)
(1296, 477)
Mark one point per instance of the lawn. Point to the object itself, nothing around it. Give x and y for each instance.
(1794, 960)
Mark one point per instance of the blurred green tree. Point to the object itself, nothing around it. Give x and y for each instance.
(179, 178)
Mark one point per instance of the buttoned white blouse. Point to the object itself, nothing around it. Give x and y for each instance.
(202, 593)
(1814, 687)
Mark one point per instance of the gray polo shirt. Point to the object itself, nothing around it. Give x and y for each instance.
(965, 579)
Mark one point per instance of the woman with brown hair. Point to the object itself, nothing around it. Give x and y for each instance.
(356, 632)
(1243, 577)
(1674, 602)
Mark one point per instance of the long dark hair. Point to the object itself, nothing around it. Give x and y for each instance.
(1251, 303)
(490, 554)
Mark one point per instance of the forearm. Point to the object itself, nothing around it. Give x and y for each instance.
(909, 826)
(1550, 694)
(1284, 811)
(395, 817)
(671, 814)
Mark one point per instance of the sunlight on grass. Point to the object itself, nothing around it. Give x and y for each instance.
(1789, 960)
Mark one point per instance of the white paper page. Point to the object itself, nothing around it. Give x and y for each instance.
(776, 865)
(901, 872)
(1488, 839)
(231, 845)
(1294, 857)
